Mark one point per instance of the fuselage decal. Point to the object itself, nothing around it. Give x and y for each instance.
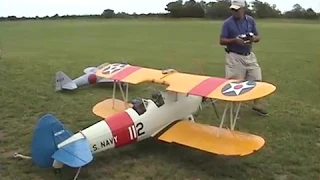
(122, 127)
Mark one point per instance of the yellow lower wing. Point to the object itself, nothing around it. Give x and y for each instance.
(206, 138)
(110, 107)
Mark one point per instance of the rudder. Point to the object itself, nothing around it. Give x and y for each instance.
(49, 132)
(64, 82)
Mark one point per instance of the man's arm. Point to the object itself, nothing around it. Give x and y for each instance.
(224, 40)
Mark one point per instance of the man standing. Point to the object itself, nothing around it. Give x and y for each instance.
(241, 62)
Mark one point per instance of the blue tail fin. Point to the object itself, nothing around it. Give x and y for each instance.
(48, 134)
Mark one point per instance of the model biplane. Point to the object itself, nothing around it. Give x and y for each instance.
(64, 82)
(166, 116)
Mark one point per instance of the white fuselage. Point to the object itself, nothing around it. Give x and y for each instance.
(128, 126)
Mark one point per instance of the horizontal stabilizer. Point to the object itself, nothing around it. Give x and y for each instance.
(75, 154)
(70, 86)
(212, 139)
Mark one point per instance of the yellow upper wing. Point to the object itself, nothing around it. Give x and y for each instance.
(206, 86)
(218, 88)
(129, 74)
(205, 138)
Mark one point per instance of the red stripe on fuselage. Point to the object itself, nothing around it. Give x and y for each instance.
(125, 72)
(122, 126)
(207, 86)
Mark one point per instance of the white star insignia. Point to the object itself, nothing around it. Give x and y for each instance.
(238, 87)
(113, 68)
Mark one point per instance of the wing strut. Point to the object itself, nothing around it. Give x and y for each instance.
(213, 103)
(125, 95)
(233, 117)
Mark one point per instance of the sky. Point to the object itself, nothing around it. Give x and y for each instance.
(32, 8)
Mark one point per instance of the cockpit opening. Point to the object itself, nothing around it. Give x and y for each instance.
(157, 99)
(140, 105)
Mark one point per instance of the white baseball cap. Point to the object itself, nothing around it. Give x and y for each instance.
(237, 4)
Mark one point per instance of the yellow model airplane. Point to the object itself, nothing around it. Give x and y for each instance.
(169, 115)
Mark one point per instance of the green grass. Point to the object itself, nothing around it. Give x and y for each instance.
(34, 50)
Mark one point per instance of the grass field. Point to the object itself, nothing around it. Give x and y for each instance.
(34, 50)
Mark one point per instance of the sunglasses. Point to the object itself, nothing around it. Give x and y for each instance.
(236, 10)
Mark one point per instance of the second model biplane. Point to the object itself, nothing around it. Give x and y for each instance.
(167, 116)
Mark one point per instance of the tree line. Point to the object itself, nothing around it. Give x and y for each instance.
(200, 9)
(220, 9)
